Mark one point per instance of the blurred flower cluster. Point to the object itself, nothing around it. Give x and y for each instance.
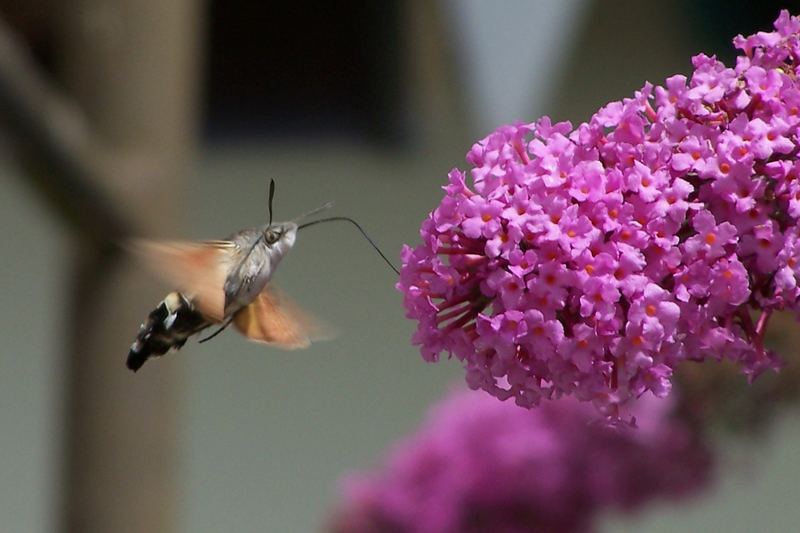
(483, 465)
(479, 464)
(592, 261)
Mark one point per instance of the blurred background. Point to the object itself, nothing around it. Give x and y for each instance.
(169, 119)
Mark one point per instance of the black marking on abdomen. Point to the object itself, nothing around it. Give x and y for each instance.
(168, 326)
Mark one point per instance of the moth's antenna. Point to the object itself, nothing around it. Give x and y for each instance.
(271, 196)
(323, 207)
(364, 233)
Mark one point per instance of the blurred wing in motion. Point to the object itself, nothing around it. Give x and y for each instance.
(198, 269)
(274, 319)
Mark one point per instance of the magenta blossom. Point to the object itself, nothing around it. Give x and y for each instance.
(482, 465)
(591, 261)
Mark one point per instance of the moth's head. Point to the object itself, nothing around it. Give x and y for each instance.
(280, 236)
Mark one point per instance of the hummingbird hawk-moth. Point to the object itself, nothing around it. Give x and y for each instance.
(226, 282)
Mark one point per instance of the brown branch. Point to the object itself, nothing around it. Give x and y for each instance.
(52, 132)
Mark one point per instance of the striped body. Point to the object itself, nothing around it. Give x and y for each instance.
(167, 328)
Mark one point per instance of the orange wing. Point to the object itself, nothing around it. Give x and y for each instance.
(274, 319)
(198, 269)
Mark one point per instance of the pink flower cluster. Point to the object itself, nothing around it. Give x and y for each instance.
(483, 465)
(591, 261)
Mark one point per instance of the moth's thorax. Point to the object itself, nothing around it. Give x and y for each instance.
(256, 262)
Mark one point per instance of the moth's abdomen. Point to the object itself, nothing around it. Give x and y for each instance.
(167, 327)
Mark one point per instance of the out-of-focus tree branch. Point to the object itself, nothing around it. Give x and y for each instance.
(53, 133)
(110, 158)
(132, 66)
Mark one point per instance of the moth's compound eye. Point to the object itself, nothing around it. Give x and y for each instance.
(272, 237)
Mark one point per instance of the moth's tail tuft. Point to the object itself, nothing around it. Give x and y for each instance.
(167, 327)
